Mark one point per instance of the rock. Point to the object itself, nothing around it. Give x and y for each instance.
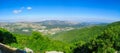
(28, 50)
(7, 49)
(53, 52)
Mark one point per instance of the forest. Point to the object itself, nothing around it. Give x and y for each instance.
(93, 39)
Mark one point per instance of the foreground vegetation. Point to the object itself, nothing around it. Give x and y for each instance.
(95, 39)
(107, 42)
(36, 41)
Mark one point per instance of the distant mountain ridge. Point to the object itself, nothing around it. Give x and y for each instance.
(58, 23)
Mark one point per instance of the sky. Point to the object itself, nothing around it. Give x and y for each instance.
(70, 10)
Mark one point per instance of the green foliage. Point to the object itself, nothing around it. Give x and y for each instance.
(83, 34)
(110, 50)
(6, 37)
(107, 42)
(40, 43)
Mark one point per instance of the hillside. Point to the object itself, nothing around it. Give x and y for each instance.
(83, 34)
(107, 42)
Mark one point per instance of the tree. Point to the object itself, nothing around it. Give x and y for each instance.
(107, 42)
(6, 37)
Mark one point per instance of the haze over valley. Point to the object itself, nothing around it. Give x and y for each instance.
(46, 27)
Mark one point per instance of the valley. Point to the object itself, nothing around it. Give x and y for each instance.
(48, 27)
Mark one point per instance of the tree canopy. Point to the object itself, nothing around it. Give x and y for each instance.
(6, 37)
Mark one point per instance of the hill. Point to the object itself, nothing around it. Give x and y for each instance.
(63, 24)
(107, 42)
(83, 34)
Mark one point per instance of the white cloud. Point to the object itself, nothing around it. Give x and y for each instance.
(21, 9)
(29, 8)
(17, 11)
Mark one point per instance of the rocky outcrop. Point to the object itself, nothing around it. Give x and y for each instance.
(54, 52)
(7, 49)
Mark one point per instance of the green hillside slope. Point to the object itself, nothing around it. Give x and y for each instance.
(107, 42)
(83, 34)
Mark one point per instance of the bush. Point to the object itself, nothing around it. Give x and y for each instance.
(6, 37)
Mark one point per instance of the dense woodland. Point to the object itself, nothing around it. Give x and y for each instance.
(93, 39)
